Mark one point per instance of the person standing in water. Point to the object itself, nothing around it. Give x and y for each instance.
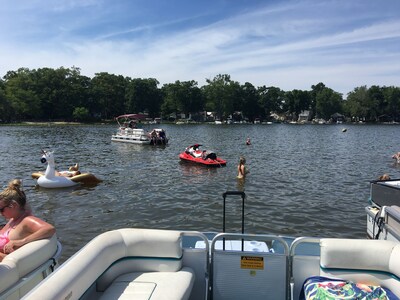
(242, 170)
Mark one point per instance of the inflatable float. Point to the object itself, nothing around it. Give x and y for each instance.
(53, 179)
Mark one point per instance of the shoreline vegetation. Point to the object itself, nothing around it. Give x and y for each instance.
(180, 122)
(65, 94)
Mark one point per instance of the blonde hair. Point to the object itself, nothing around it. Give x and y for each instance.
(13, 192)
(384, 177)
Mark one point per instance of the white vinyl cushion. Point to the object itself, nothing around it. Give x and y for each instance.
(152, 285)
(356, 254)
(371, 262)
(24, 260)
(77, 274)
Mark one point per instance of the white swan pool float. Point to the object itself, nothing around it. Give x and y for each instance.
(50, 179)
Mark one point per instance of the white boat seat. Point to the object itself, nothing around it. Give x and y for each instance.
(151, 285)
(18, 264)
(372, 262)
(114, 261)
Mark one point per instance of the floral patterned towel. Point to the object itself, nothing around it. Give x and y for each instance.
(324, 288)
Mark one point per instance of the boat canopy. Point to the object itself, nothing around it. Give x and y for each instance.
(132, 116)
(126, 118)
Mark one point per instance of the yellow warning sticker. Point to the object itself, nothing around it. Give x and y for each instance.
(252, 262)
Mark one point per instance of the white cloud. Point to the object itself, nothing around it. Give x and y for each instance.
(291, 46)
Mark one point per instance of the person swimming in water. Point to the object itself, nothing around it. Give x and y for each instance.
(22, 227)
(396, 156)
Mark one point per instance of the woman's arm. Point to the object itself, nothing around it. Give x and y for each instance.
(33, 229)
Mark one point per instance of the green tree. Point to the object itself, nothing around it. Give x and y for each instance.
(392, 99)
(251, 108)
(315, 90)
(328, 102)
(357, 104)
(20, 92)
(77, 91)
(143, 95)
(270, 100)
(221, 94)
(50, 86)
(182, 97)
(109, 92)
(297, 101)
(81, 114)
(5, 106)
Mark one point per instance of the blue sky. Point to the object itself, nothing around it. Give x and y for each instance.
(287, 44)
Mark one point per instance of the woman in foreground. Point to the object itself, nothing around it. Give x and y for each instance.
(22, 227)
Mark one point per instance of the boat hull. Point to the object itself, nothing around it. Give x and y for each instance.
(127, 139)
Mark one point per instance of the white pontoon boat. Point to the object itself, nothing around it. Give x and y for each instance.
(134, 263)
(128, 133)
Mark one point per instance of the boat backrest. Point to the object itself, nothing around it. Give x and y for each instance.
(159, 251)
(16, 267)
(248, 272)
(372, 262)
(107, 256)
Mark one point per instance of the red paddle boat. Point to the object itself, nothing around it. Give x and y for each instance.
(208, 158)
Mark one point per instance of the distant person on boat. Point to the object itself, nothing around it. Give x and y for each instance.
(248, 142)
(132, 124)
(153, 136)
(22, 227)
(208, 155)
(242, 170)
(162, 136)
(194, 151)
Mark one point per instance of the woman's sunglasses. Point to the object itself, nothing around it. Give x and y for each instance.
(3, 208)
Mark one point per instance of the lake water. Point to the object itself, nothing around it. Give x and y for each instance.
(304, 179)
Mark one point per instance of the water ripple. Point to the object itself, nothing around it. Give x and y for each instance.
(303, 180)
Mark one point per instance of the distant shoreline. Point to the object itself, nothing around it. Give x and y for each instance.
(108, 122)
(42, 123)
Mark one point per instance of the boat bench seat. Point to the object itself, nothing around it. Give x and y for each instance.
(151, 271)
(372, 262)
(16, 265)
(123, 262)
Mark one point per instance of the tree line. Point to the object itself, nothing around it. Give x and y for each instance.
(47, 94)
